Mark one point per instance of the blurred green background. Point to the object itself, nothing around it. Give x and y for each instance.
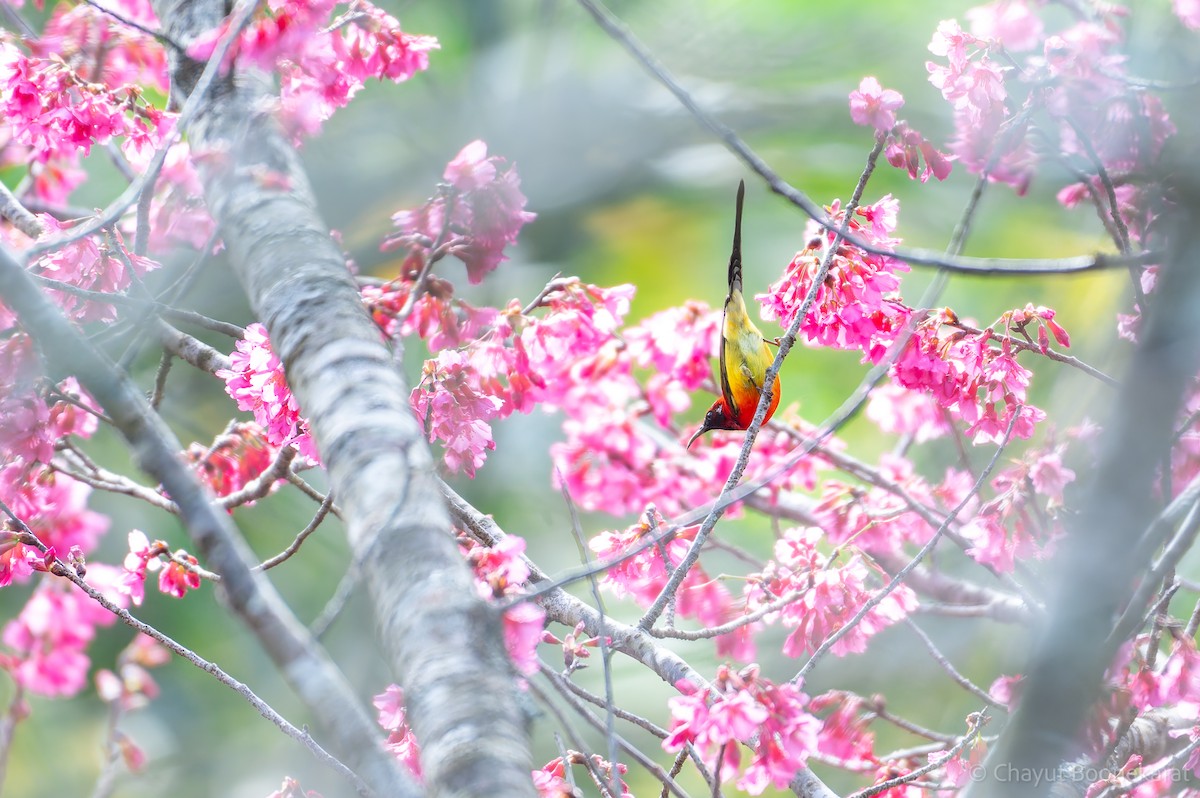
(627, 188)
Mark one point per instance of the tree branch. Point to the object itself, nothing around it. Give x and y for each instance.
(437, 634)
(920, 257)
(156, 451)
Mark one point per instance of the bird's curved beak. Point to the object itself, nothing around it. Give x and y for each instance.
(703, 429)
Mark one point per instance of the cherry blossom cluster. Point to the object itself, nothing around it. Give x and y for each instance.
(878, 519)
(616, 460)
(1008, 72)
(501, 572)
(819, 595)
(643, 576)
(520, 361)
(50, 108)
(48, 640)
(46, 644)
(1147, 673)
(845, 736)
(972, 374)
(177, 572)
(1022, 520)
(739, 707)
(36, 416)
(255, 380)
(481, 195)
(872, 105)
(106, 267)
(86, 80)
(105, 50)
(234, 459)
(551, 782)
(323, 58)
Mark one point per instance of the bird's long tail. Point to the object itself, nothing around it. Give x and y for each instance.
(735, 259)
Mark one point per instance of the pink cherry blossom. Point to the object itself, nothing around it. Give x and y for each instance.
(178, 213)
(857, 306)
(1011, 22)
(455, 411)
(323, 63)
(874, 106)
(49, 639)
(550, 780)
(523, 625)
(500, 572)
(900, 411)
(826, 596)
(845, 737)
(115, 54)
(1022, 520)
(55, 508)
(438, 317)
(90, 264)
(52, 109)
(720, 718)
(235, 458)
(1188, 12)
(677, 345)
(400, 742)
(255, 380)
(484, 200)
(176, 578)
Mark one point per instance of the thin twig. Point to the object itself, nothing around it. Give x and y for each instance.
(951, 671)
(976, 721)
(565, 689)
(261, 485)
(577, 741)
(337, 602)
(601, 636)
(294, 546)
(161, 37)
(922, 257)
(876, 599)
(60, 568)
(160, 377)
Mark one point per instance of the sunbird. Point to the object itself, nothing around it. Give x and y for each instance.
(745, 356)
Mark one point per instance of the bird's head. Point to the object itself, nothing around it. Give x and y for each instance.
(717, 417)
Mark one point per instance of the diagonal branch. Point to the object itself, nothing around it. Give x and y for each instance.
(921, 257)
(156, 451)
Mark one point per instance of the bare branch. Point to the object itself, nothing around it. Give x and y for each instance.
(294, 546)
(921, 257)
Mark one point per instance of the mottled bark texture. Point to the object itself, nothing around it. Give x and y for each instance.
(444, 645)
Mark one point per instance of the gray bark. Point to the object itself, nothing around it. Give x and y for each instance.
(444, 644)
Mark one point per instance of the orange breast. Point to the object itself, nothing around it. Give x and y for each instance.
(746, 399)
